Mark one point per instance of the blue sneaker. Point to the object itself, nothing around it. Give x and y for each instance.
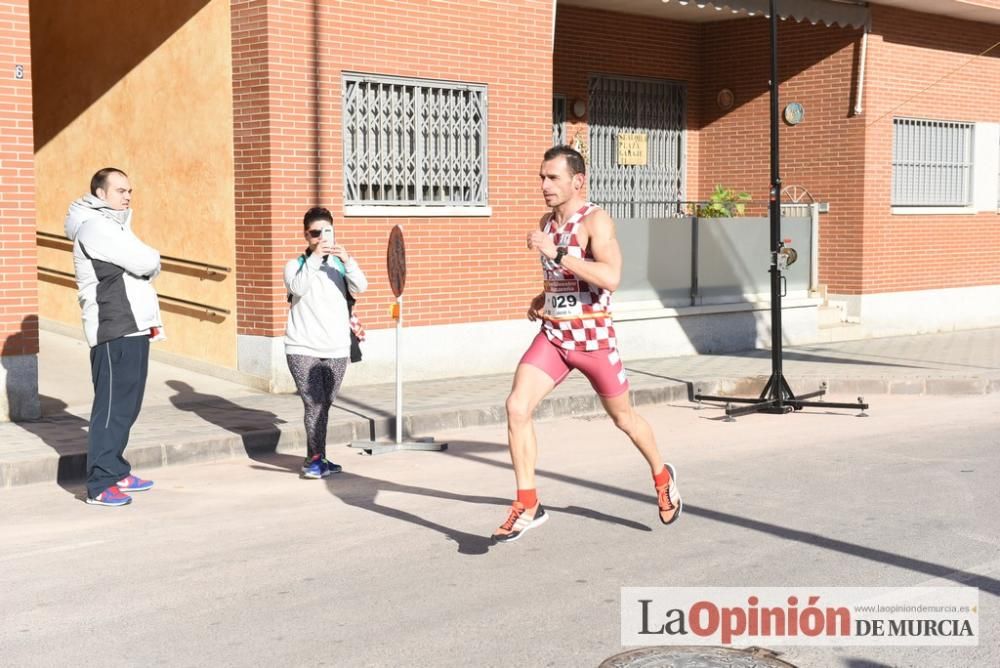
(133, 483)
(330, 466)
(319, 467)
(112, 496)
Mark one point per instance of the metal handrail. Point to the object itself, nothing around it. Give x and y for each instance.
(209, 269)
(208, 308)
(214, 310)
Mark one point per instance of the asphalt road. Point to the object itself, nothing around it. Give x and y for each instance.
(241, 563)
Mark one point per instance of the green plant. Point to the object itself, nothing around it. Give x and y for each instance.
(723, 203)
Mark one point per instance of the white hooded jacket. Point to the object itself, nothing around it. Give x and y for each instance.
(318, 318)
(114, 272)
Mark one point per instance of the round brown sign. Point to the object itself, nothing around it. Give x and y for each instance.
(396, 261)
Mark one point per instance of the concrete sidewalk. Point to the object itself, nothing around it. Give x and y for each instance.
(190, 417)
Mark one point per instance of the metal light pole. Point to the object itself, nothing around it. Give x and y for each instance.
(777, 396)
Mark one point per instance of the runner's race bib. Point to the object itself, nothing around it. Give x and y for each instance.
(562, 299)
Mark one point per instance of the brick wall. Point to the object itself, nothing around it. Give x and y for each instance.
(840, 157)
(597, 42)
(256, 286)
(288, 57)
(289, 151)
(18, 279)
(823, 153)
(926, 66)
(846, 159)
(731, 147)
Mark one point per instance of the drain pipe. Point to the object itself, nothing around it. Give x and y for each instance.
(555, 8)
(814, 248)
(861, 73)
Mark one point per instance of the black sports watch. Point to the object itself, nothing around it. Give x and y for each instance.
(560, 252)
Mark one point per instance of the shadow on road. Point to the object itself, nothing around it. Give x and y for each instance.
(257, 428)
(66, 434)
(983, 582)
(363, 491)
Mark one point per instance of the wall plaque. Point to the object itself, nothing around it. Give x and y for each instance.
(631, 148)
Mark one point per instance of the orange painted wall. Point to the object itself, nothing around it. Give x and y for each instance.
(156, 101)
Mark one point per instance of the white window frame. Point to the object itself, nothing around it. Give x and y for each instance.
(985, 196)
(944, 158)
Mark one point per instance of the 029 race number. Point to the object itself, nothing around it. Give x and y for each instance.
(562, 305)
(563, 301)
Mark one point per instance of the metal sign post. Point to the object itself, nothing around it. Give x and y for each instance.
(396, 265)
(777, 396)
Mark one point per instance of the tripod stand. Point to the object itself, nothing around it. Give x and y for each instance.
(777, 395)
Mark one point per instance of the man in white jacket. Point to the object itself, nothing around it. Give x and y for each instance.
(121, 313)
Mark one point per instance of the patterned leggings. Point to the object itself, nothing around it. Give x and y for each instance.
(317, 381)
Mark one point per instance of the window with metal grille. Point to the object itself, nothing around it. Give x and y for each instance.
(414, 142)
(558, 120)
(931, 163)
(655, 110)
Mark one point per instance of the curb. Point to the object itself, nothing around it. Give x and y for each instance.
(289, 439)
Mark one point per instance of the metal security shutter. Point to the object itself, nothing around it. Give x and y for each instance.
(931, 163)
(414, 142)
(558, 120)
(629, 105)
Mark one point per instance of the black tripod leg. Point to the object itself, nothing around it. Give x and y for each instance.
(810, 395)
(786, 390)
(765, 394)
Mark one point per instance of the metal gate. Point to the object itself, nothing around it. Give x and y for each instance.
(649, 107)
(558, 120)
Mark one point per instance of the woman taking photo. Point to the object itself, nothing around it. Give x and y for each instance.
(321, 283)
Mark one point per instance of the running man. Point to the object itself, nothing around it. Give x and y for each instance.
(581, 265)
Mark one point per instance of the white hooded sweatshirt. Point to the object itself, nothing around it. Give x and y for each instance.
(318, 321)
(114, 272)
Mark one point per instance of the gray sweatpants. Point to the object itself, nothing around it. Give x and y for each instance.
(317, 381)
